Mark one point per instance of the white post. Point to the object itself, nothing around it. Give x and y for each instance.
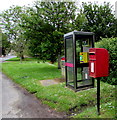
(116, 9)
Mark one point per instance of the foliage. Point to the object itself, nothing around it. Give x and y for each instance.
(35, 32)
(45, 26)
(39, 30)
(29, 73)
(4, 44)
(80, 21)
(11, 20)
(99, 18)
(58, 14)
(111, 45)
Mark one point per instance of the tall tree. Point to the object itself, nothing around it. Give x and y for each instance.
(80, 21)
(99, 19)
(36, 33)
(61, 16)
(45, 25)
(5, 45)
(11, 20)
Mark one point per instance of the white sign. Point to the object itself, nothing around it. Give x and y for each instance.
(86, 76)
(92, 67)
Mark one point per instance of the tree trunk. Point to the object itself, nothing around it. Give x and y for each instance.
(21, 57)
(59, 61)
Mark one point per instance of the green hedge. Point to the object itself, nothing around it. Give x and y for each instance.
(111, 45)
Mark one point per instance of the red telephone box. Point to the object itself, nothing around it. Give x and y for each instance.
(98, 62)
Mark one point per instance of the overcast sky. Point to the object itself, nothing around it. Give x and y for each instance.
(5, 4)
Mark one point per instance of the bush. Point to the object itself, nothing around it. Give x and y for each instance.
(111, 45)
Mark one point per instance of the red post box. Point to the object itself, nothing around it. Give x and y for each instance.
(98, 62)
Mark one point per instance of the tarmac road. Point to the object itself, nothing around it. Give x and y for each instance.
(2, 59)
(18, 103)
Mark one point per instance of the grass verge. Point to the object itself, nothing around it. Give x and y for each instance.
(79, 104)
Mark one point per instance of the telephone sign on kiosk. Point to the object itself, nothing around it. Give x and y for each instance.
(98, 62)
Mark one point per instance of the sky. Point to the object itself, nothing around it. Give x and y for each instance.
(5, 4)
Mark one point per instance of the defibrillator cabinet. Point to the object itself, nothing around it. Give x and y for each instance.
(77, 45)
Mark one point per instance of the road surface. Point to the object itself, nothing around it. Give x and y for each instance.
(2, 59)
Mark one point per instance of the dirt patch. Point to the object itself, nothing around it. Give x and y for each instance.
(60, 79)
(48, 82)
(51, 81)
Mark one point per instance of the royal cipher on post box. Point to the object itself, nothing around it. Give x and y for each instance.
(98, 62)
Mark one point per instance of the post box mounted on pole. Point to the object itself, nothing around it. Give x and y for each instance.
(98, 67)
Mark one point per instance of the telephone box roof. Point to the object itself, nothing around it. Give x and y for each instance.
(78, 33)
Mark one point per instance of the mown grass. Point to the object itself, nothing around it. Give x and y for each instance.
(25, 59)
(83, 103)
(107, 111)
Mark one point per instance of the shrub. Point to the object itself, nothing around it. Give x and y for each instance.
(111, 45)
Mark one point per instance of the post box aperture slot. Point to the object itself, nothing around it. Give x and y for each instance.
(92, 56)
(91, 53)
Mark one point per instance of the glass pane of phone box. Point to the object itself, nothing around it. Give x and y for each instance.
(83, 78)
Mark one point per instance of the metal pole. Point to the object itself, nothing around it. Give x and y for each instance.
(98, 96)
